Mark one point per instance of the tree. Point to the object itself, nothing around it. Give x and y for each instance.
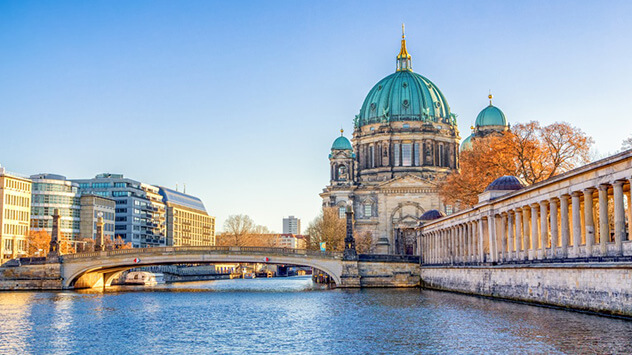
(626, 144)
(38, 243)
(364, 242)
(329, 228)
(528, 151)
(237, 229)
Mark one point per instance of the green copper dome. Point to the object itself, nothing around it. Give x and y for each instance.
(467, 143)
(341, 143)
(404, 96)
(491, 116)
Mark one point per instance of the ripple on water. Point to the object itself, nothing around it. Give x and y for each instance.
(292, 315)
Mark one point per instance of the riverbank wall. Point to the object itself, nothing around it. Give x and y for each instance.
(31, 277)
(596, 287)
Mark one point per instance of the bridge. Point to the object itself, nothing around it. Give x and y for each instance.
(100, 268)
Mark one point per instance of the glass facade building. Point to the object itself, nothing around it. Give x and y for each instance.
(139, 210)
(51, 191)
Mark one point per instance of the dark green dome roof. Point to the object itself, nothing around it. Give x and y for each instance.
(491, 116)
(341, 143)
(404, 96)
(467, 143)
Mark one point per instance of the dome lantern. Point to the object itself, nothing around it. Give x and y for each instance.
(403, 58)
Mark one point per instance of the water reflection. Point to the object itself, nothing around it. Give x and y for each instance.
(294, 316)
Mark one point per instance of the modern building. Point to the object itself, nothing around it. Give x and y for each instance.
(15, 214)
(188, 223)
(139, 212)
(291, 225)
(93, 207)
(405, 140)
(50, 192)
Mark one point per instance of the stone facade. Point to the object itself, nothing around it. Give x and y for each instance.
(599, 287)
(405, 140)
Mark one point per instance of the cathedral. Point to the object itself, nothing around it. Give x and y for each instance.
(405, 140)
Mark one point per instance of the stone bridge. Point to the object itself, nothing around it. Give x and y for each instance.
(98, 269)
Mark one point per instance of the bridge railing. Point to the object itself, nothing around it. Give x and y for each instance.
(264, 251)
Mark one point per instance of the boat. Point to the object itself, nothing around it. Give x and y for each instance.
(144, 278)
(249, 275)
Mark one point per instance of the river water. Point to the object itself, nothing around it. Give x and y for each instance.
(293, 316)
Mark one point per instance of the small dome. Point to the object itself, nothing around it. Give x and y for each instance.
(467, 143)
(431, 215)
(341, 143)
(491, 116)
(505, 183)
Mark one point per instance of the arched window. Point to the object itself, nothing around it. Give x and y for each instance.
(342, 172)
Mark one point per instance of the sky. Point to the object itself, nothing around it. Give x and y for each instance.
(241, 100)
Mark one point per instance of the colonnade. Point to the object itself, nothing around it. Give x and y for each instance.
(589, 222)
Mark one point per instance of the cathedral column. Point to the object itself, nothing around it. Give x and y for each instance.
(564, 226)
(554, 227)
(472, 242)
(619, 217)
(544, 228)
(589, 222)
(518, 237)
(604, 224)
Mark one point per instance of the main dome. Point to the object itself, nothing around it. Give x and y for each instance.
(404, 96)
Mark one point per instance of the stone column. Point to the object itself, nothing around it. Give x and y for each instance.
(630, 210)
(99, 244)
(511, 239)
(481, 248)
(525, 232)
(577, 224)
(564, 226)
(518, 217)
(472, 242)
(589, 222)
(619, 217)
(544, 227)
(491, 227)
(604, 224)
(554, 227)
(503, 237)
(534, 230)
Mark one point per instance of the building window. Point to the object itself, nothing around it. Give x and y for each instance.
(407, 154)
(342, 212)
(371, 157)
(416, 154)
(368, 210)
(396, 159)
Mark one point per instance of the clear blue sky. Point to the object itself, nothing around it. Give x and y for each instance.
(242, 100)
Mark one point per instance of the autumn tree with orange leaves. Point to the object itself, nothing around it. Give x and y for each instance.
(528, 151)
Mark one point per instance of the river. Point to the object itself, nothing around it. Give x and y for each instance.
(293, 316)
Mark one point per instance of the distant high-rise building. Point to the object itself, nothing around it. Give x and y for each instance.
(50, 192)
(15, 214)
(291, 225)
(139, 213)
(188, 223)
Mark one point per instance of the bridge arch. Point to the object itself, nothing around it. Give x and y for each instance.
(97, 269)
